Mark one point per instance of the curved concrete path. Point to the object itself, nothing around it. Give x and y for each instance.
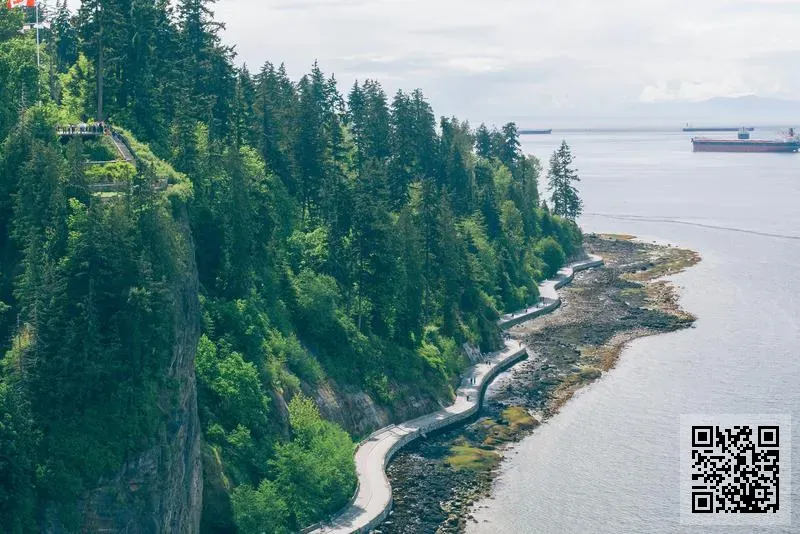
(373, 498)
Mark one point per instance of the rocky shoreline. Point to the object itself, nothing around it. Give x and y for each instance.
(437, 481)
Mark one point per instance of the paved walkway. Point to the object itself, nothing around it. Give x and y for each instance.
(548, 292)
(122, 148)
(373, 498)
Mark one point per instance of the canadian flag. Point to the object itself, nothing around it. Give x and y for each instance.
(21, 3)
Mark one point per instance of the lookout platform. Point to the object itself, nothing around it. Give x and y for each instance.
(95, 130)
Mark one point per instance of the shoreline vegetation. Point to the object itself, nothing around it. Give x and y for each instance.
(438, 482)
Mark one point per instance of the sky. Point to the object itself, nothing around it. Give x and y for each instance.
(499, 59)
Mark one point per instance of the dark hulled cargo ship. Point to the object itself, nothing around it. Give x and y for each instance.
(536, 132)
(790, 144)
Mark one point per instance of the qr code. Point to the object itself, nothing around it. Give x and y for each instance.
(735, 470)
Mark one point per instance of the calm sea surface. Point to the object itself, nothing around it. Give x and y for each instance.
(609, 462)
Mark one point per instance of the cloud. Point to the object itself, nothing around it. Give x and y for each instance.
(297, 5)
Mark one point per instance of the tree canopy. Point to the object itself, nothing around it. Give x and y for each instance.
(333, 240)
(562, 177)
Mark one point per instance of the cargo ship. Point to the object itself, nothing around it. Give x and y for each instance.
(536, 132)
(791, 143)
(714, 129)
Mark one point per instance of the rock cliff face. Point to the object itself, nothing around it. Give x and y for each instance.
(359, 414)
(160, 490)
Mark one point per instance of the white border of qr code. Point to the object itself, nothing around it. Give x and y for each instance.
(783, 516)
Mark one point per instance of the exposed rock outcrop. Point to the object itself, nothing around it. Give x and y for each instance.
(358, 413)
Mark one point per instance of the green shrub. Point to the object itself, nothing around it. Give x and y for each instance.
(315, 471)
(260, 510)
(552, 254)
(118, 172)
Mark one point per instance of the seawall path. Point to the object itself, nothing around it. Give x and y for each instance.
(373, 498)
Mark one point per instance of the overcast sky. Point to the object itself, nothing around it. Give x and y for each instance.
(497, 59)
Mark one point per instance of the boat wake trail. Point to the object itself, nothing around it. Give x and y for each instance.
(689, 223)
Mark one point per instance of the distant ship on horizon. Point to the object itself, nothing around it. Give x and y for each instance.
(714, 128)
(536, 132)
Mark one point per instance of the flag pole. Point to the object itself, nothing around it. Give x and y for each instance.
(38, 56)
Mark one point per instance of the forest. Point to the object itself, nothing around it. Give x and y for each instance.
(281, 234)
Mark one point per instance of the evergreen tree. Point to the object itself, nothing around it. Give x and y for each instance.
(208, 84)
(276, 102)
(561, 178)
(508, 146)
(402, 165)
(425, 138)
(456, 173)
(483, 142)
(370, 237)
(243, 116)
(65, 38)
(369, 121)
(105, 32)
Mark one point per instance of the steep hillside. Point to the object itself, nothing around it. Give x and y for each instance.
(100, 369)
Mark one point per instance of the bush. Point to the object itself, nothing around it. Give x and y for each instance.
(315, 471)
(100, 149)
(230, 386)
(314, 476)
(317, 297)
(297, 358)
(117, 172)
(260, 510)
(552, 254)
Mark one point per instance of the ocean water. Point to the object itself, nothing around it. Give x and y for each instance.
(609, 462)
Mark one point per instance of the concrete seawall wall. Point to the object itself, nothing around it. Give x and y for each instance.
(560, 282)
(527, 316)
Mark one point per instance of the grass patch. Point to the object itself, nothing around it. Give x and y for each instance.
(100, 149)
(162, 169)
(472, 458)
(511, 424)
(518, 418)
(117, 172)
(107, 195)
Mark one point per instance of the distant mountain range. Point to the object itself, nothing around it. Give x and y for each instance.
(741, 111)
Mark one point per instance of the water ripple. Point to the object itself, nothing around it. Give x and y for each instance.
(689, 223)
